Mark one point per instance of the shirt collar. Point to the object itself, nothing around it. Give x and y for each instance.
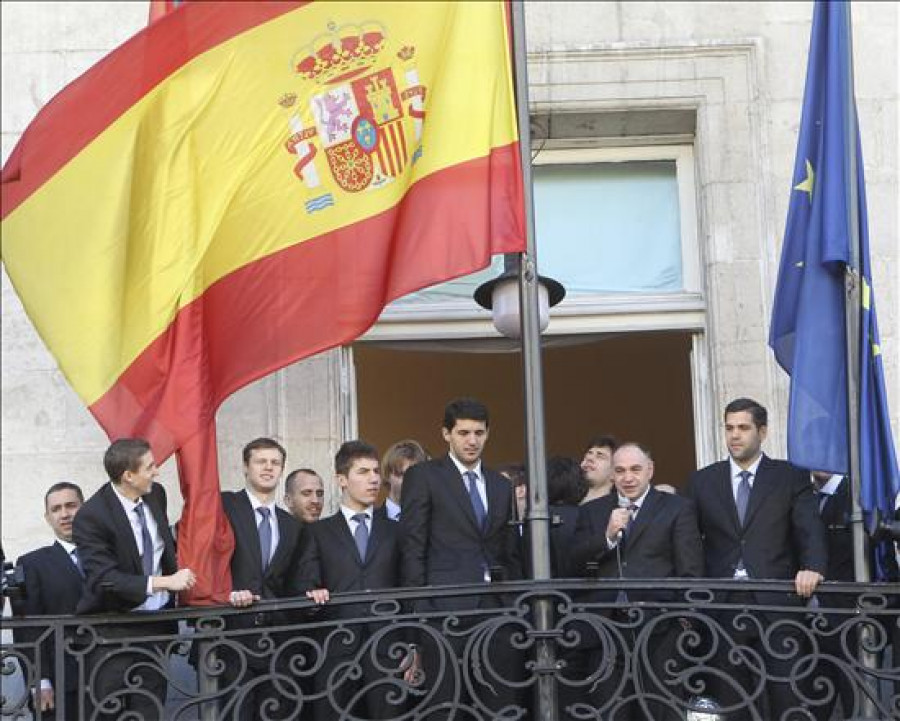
(256, 503)
(831, 485)
(625, 502)
(463, 470)
(67, 546)
(349, 513)
(126, 502)
(736, 470)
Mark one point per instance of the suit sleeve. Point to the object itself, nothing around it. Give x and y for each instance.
(807, 526)
(415, 519)
(688, 548)
(33, 605)
(587, 544)
(97, 543)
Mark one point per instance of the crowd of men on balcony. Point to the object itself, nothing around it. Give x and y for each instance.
(406, 520)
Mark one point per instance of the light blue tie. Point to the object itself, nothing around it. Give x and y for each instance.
(361, 535)
(265, 536)
(475, 497)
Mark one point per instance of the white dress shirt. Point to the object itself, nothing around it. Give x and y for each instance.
(352, 523)
(479, 479)
(736, 471)
(392, 508)
(155, 601)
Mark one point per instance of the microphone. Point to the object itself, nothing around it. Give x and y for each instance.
(623, 503)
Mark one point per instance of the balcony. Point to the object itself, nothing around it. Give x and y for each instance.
(564, 649)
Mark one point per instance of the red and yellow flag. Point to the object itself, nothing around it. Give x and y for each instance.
(245, 184)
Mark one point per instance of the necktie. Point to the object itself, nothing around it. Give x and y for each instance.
(361, 534)
(475, 497)
(146, 540)
(265, 536)
(632, 514)
(743, 495)
(77, 561)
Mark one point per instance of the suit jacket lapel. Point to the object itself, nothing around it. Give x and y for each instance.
(62, 558)
(377, 534)
(123, 527)
(284, 537)
(760, 489)
(341, 530)
(726, 496)
(642, 520)
(246, 517)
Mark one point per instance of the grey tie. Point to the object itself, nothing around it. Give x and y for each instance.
(265, 536)
(146, 540)
(361, 535)
(475, 498)
(743, 495)
(77, 561)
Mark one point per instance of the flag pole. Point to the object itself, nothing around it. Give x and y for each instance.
(538, 512)
(852, 312)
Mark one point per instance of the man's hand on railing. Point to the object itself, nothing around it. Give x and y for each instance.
(806, 582)
(412, 675)
(319, 595)
(182, 580)
(46, 702)
(242, 599)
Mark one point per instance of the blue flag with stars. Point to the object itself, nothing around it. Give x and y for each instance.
(808, 318)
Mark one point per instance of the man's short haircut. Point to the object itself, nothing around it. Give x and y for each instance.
(640, 446)
(261, 444)
(566, 484)
(759, 414)
(350, 452)
(124, 455)
(63, 486)
(602, 441)
(408, 450)
(515, 472)
(291, 477)
(465, 409)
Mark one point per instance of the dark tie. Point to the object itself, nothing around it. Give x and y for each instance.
(743, 495)
(146, 540)
(633, 508)
(475, 497)
(265, 536)
(77, 561)
(361, 535)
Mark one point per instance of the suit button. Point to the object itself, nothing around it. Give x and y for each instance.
(624, 564)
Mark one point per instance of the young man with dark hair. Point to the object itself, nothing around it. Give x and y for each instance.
(304, 495)
(264, 564)
(759, 520)
(54, 582)
(128, 553)
(455, 529)
(597, 466)
(356, 549)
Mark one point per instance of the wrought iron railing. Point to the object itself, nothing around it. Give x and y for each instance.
(620, 649)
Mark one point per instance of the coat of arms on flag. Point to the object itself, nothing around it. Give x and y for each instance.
(365, 112)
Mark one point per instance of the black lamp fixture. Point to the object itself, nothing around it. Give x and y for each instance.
(500, 295)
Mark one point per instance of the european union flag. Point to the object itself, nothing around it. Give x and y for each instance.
(808, 318)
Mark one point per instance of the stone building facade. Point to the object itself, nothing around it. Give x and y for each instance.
(721, 83)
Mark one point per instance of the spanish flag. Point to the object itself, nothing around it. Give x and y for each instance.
(245, 184)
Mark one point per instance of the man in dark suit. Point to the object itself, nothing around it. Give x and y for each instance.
(638, 532)
(264, 565)
(758, 520)
(356, 549)
(53, 584)
(123, 537)
(455, 529)
(832, 493)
